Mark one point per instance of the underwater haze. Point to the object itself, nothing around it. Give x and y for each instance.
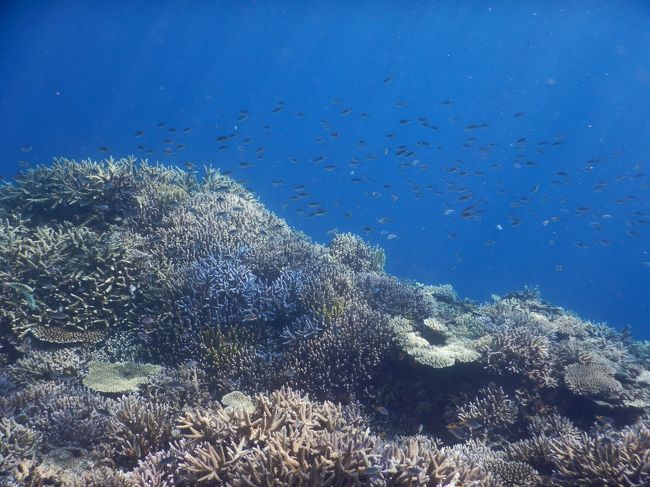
(351, 244)
(489, 145)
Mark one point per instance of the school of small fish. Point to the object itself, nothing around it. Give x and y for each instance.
(411, 159)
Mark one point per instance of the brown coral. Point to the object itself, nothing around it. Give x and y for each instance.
(621, 460)
(138, 426)
(291, 440)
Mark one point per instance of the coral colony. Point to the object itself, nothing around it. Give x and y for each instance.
(162, 328)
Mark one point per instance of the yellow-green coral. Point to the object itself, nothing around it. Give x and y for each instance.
(71, 278)
(118, 377)
(329, 312)
(238, 401)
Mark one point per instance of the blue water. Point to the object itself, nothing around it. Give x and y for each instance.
(76, 76)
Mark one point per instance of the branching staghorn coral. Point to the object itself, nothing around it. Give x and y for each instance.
(290, 440)
(536, 448)
(391, 296)
(489, 414)
(346, 357)
(520, 351)
(221, 288)
(87, 192)
(221, 291)
(352, 251)
(73, 418)
(78, 280)
(620, 459)
(138, 427)
(18, 444)
(38, 365)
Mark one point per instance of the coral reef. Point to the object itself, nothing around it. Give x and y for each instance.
(619, 459)
(118, 377)
(161, 327)
(431, 344)
(350, 250)
(592, 379)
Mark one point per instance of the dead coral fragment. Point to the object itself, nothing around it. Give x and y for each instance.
(118, 377)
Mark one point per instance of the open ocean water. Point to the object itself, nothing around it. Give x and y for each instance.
(500, 147)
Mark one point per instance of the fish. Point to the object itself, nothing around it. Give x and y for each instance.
(166, 461)
(147, 320)
(414, 471)
(461, 432)
(472, 423)
(605, 420)
(382, 410)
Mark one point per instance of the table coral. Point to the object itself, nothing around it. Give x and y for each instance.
(119, 377)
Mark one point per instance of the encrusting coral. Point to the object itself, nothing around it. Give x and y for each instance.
(162, 327)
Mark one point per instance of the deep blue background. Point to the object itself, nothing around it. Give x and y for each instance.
(79, 75)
